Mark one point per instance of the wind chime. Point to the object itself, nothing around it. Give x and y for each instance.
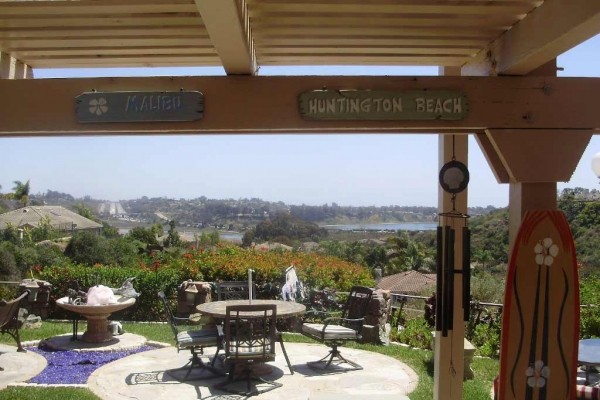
(454, 178)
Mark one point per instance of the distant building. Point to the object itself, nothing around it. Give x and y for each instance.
(60, 219)
(267, 246)
(410, 282)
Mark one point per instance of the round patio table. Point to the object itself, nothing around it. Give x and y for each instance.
(217, 309)
(589, 355)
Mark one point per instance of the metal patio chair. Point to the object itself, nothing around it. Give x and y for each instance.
(193, 340)
(234, 290)
(9, 318)
(335, 330)
(249, 339)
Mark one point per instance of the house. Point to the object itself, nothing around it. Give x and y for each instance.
(409, 282)
(59, 217)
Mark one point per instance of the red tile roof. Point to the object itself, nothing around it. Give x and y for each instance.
(409, 282)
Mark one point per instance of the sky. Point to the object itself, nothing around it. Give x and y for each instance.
(350, 170)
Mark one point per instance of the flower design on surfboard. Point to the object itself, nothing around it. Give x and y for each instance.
(545, 252)
(537, 375)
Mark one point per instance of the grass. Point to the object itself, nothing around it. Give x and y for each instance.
(49, 393)
(421, 361)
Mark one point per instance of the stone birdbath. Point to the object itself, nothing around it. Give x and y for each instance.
(97, 316)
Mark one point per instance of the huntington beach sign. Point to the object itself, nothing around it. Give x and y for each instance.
(139, 106)
(382, 105)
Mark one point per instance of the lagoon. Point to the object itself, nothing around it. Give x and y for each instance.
(384, 226)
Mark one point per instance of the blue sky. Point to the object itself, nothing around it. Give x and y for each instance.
(359, 170)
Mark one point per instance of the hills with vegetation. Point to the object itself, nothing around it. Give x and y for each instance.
(236, 214)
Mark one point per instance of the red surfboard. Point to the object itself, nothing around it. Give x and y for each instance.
(540, 324)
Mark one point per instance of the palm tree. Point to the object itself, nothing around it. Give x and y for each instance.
(405, 253)
(21, 192)
(484, 257)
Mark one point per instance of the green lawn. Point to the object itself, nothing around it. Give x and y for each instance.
(421, 361)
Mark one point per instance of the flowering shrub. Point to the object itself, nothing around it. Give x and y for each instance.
(165, 271)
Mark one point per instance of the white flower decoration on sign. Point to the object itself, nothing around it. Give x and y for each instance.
(545, 251)
(98, 106)
(537, 375)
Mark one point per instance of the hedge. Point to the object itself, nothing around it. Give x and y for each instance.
(164, 271)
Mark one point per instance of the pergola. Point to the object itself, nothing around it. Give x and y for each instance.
(497, 55)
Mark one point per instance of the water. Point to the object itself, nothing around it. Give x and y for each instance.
(387, 226)
(384, 226)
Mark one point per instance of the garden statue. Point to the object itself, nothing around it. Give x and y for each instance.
(75, 294)
(126, 289)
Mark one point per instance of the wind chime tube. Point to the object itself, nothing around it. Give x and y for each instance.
(445, 299)
(439, 288)
(450, 278)
(466, 273)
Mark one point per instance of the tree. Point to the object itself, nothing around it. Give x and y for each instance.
(144, 235)
(86, 212)
(86, 248)
(483, 257)
(570, 204)
(589, 215)
(287, 228)
(173, 239)
(405, 253)
(21, 192)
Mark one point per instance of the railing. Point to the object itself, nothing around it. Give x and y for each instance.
(479, 309)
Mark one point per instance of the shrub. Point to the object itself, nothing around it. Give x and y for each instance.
(165, 270)
(589, 318)
(8, 265)
(147, 282)
(487, 287)
(416, 333)
(486, 338)
(85, 248)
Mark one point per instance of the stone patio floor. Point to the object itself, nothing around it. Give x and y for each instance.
(145, 375)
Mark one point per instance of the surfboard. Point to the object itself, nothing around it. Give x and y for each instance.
(540, 324)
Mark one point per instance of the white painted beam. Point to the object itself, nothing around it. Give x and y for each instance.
(5, 65)
(545, 33)
(229, 30)
(12, 68)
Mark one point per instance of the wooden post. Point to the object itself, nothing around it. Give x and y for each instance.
(448, 370)
(448, 358)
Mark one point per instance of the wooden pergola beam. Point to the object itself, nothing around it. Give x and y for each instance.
(551, 29)
(13, 68)
(250, 104)
(229, 31)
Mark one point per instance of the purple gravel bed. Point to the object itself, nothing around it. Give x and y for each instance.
(75, 367)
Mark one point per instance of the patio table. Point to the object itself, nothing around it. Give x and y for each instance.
(217, 309)
(589, 355)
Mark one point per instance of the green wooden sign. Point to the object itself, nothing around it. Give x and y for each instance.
(382, 105)
(139, 106)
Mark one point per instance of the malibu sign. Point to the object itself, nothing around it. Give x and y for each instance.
(382, 105)
(139, 106)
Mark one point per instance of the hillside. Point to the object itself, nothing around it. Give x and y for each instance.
(236, 215)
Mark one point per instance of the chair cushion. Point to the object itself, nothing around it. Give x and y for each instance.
(245, 352)
(332, 332)
(202, 337)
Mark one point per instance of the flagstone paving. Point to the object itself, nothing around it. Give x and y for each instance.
(143, 376)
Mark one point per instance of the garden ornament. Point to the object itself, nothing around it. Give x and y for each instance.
(126, 289)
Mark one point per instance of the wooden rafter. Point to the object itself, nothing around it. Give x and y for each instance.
(229, 30)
